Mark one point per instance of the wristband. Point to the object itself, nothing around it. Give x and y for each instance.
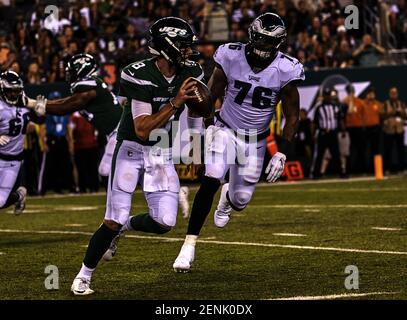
(173, 105)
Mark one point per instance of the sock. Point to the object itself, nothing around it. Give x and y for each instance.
(191, 239)
(143, 222)
(85, 272)
(98, 245)
(202, 204)
(12, 199)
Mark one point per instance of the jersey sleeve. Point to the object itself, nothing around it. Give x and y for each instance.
(221, 58)
(134, 88)
(197, 72)
(290, 70)
(83, 86)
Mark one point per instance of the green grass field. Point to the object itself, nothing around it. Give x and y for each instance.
(291, 241)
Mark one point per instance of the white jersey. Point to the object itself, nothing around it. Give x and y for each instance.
(13, 123)
(251, 98)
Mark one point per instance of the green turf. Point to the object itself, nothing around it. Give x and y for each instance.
(335, 215)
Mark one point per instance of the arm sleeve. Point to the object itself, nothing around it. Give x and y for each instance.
(291, 71)
(140, 108)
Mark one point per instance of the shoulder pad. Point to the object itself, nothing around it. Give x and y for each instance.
(226, 54)
(290, 69)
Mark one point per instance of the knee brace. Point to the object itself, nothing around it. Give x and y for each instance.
(239, 200)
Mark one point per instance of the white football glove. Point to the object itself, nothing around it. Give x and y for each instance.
(275, 167)
(28, 102)
(4, 140)
(40, 104)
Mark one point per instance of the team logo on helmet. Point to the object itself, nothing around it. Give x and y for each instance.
(276, 31)
(173, 32)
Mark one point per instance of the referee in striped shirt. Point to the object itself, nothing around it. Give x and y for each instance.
(328, 121)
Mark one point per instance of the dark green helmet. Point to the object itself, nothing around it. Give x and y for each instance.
(80, 66)
(169, 36)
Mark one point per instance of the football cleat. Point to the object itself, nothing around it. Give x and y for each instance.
(223, 210)
(81, 287)
(20, 204)
(110, 253)
(185, 258)
(183, 201)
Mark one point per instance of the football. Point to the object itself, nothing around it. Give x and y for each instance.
(202, 105)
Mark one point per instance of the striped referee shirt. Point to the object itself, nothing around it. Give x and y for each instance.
(327, 116)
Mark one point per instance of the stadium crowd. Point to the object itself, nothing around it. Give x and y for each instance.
(114, 32)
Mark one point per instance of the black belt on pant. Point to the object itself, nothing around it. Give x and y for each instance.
(260, 136)
(11, 157)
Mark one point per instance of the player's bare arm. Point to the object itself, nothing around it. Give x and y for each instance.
(217, 84)
(143, 125)
(70, 104)
(290, 102)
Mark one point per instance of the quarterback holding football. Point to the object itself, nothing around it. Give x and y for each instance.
(156, 91)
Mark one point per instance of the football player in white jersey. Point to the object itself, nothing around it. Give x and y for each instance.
(14, 118)
(253, 78)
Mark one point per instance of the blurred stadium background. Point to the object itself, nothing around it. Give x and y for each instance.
(372, 57)
(293, 240)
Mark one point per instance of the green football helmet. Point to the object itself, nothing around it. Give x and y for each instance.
(169, 36)
(80, 66)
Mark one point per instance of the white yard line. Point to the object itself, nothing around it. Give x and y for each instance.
(305, 182)
(289, 234)
(305, 207)
(329, 190)
(352, 206)
(75, 225)
(337, 296)
(259, 185)
(386, 229)
(1, 253)
(233, 243)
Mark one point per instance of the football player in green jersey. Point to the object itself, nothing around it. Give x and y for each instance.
(155, 90)
(92, 98)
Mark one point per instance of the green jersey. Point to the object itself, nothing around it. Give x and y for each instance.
(143, 83)
(104, 111)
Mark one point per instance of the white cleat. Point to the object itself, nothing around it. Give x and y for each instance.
(185, 258)
(223, 210)
(20, 204)
(183, 201)
(81, 287)
(109, 254)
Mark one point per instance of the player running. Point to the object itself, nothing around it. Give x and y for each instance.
(156, 90)
(14, 118)
(255, 76)
(92, 98)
